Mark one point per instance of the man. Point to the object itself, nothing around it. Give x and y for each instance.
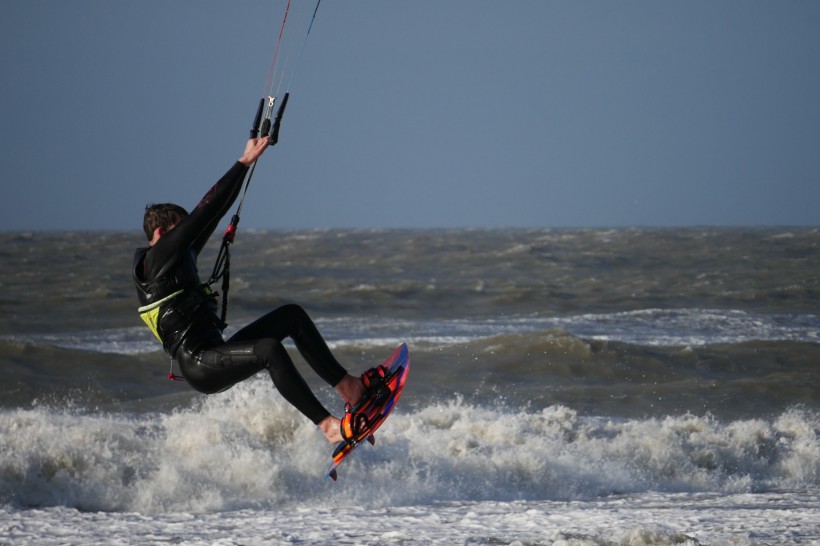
(182, 312)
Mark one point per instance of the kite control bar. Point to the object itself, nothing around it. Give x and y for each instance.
(264, 127)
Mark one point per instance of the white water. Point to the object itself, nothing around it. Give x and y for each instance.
(244, 468)
(650, 519)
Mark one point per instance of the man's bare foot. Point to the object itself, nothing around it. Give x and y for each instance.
(351, 389)
(331, 428)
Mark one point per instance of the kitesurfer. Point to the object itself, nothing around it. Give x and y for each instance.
(182, 311)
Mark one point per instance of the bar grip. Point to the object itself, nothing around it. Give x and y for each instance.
(258, 118)
(274, 136)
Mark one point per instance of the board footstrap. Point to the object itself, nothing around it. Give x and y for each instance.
(353, 425)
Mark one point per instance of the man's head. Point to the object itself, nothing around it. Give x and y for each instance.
(163, 216)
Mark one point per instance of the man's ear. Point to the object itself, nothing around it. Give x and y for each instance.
(158, 232)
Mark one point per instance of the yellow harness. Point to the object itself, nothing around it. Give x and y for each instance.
(150, 313)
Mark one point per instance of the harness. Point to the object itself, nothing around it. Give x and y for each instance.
(176, 305)
(150, 313)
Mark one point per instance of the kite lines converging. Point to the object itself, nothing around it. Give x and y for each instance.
(265, 123)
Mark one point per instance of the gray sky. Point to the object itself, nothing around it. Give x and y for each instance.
(426, 113)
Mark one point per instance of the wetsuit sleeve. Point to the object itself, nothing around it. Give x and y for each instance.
(194, 230)
(216, 203)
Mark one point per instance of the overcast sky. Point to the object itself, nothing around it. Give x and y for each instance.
(425, 113)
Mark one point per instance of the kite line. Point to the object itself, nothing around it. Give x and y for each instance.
(265, 123)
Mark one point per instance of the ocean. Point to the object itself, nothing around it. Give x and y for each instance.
(567, 387)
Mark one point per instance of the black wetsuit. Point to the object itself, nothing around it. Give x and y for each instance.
(185, 314)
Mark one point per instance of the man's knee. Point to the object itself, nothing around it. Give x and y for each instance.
(295, 312)
(269, 352)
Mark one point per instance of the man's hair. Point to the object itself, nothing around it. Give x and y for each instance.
(161, 215)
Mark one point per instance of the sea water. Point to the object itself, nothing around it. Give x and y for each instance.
(567, 387)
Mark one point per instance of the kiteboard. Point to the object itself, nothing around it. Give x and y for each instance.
(375, 407)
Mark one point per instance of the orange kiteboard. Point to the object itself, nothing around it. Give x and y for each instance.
(375, 407)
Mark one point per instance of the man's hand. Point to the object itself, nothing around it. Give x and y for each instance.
(253, 150)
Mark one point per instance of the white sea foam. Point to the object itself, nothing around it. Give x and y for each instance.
(243, 467)
(248, 448)
(654, 519)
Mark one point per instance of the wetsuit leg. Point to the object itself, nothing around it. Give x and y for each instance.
(220, 367)
(289, 381)
(292, 321)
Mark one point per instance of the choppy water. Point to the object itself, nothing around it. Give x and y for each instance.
(567, 387)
